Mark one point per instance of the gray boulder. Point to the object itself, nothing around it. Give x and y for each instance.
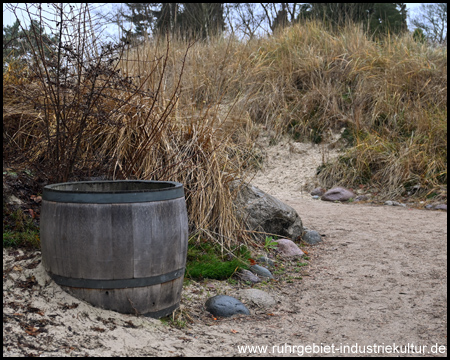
(338, 194)
(263, 213)
(226, 306)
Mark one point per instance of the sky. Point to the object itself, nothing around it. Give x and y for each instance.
(9, 18)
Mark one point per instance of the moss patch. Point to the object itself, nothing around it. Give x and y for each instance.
(206, 260)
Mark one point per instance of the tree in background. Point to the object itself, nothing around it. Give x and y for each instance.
(280, 15)
(188, 20)
(17, 43)
(433, 22)
(378, 18)
(167, 18)
(201, 20)
(388, 18)
(419, 36)
(338, 14)
(245, 18)
(141, 16)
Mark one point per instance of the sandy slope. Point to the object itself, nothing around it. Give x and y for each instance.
(379, 277)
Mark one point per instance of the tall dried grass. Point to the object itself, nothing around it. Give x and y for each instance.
(307, 80)
(192, 114)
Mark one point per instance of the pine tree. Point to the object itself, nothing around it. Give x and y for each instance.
(202, 20)
(190, 20)
(17, 47)
(378, 18)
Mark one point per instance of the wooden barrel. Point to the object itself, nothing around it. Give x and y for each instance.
(119, 245)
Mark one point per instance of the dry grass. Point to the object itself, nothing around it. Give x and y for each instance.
(193, 112)
(391, 96)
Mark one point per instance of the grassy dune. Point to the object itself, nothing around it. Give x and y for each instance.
(192, 112)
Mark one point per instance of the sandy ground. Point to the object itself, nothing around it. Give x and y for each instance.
(378, 280)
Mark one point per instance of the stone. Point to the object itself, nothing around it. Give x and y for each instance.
(316, 197)
(257, 297)
(263, 213)
(312, 237)
(393, 203)
(246, 275)
(440, 207)
(265, 260)
(13, 200)
(318, 191)
(261, 271)
(288, 248)
(226, 306)
(338, 194)
(361, 198)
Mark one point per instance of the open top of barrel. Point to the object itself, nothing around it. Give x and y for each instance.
(117, 191)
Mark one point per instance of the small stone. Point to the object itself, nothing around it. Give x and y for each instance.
(361, 198)
(312, 237)
(37, 199)
(261, 271)
(265, 260)
(318, 191)
(338, 194)
(257, 297)
(440, 207)
(226, 306)
(316, 197)
(246, 275)
(288, 248)
(13, 200)
(393, 203)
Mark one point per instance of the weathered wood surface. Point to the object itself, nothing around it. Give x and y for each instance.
(117, 241)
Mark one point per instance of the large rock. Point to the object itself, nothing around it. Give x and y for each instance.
(263, 213)
(338, 194)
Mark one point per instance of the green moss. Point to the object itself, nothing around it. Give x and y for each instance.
(27, 238)
(205, 260)
(19, 230)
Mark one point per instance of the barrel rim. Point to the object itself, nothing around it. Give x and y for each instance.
(174, 190)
